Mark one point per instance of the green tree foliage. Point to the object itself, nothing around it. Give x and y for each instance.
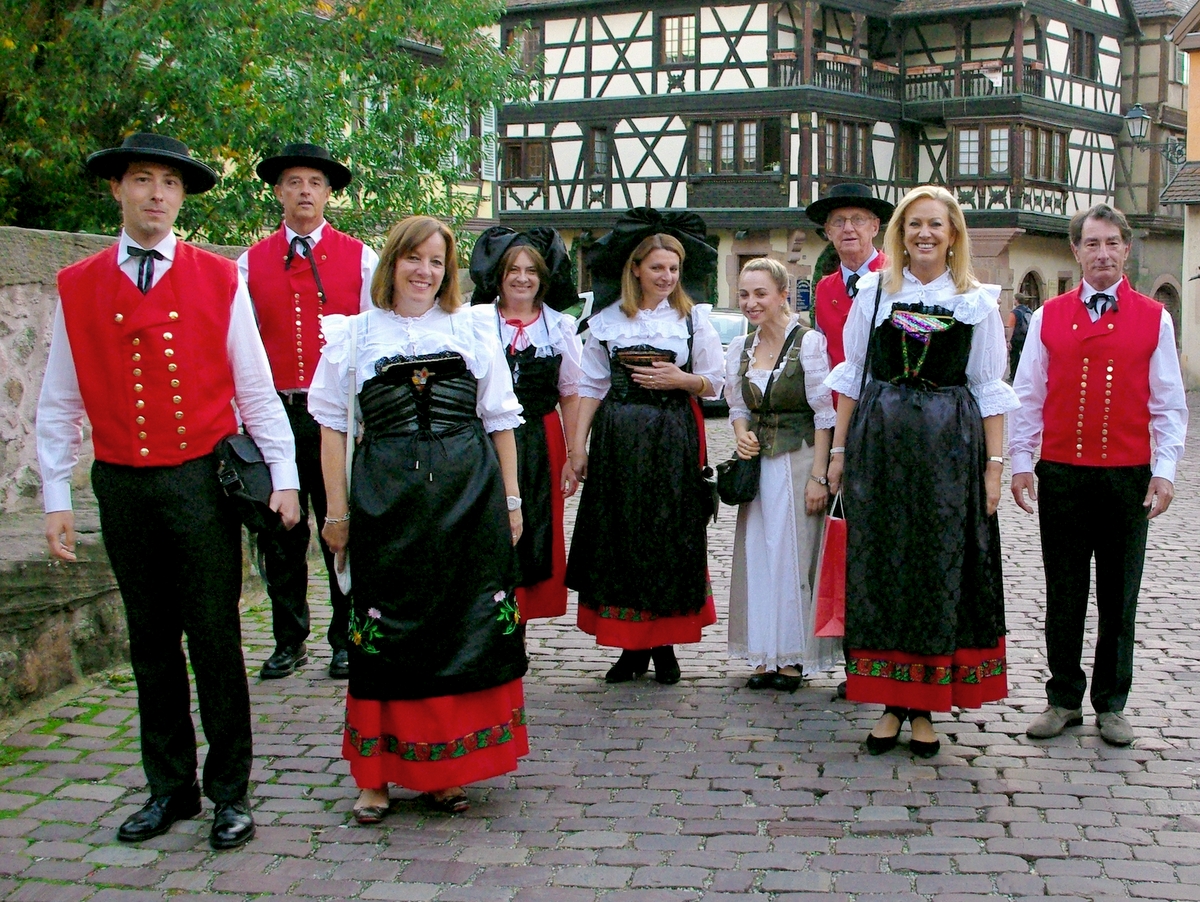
(386, 86)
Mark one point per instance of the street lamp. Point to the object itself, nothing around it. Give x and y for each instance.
(1137, 121)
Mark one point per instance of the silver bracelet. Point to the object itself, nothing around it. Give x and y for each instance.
(997, 460)
(840, 449)
(331, 520)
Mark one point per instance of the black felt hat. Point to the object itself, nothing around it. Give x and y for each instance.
(114, 161)
(491, 246)
(848, 194)
(606, 258)
(313, 156)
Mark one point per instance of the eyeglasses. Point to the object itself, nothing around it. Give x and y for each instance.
(857, 220)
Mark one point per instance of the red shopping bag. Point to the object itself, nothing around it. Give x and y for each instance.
(831, 575)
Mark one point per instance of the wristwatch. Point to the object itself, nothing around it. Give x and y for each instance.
(514, 502)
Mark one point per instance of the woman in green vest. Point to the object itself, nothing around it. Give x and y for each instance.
(780, 410)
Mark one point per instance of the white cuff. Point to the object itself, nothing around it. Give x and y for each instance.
(284, 476)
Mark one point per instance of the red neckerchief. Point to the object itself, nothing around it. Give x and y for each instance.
(520, 333)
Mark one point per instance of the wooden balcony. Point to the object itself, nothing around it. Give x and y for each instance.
(837, 72)
(972, 78)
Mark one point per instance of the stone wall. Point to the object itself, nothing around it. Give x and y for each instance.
(58, 621)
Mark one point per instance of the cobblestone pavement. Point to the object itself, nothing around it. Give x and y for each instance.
(704, 790)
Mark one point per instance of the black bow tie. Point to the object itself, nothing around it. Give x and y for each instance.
(852, 284)
(145, 276)
(301, 245)
(1101, 303)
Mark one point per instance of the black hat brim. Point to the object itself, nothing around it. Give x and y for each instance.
(114, 162)
(607, 257)
(818, 211)
(491, 246)
(270, 169)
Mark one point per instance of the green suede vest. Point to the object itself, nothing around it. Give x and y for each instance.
(788, 420)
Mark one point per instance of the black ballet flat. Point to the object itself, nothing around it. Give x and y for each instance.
(760, 681)
(629, 666)
(878, 745)
(786, 682)
(666, 668)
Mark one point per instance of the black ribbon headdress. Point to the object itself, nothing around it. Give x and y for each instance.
(606, 258)
(490, 247)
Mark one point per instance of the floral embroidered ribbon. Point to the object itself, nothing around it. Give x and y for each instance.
(919, 325)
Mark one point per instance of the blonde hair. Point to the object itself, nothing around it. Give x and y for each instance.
(958, 257)
(773, 268)
(509, 258)
(406, 235)
(631, 288)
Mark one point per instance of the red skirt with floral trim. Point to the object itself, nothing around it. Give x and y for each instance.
(430, 744)
(629, 629)
(966, 679)
(549, 597)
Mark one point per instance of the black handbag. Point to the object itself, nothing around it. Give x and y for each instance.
(737, 479)
(246, 480)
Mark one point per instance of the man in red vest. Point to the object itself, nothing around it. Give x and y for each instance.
(850, 216)
(296, 276)
(154, 340)
(1098, 376)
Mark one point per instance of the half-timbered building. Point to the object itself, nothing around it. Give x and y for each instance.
(745, 112)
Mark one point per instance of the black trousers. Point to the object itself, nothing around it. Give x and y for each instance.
(285, 553)
(175, 546)
(1087, 512)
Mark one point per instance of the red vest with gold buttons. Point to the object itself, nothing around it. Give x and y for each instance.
(832, 308)
(285, 300)
(153, 369)
(1097, 410)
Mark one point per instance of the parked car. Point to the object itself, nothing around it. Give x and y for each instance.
(729, 325)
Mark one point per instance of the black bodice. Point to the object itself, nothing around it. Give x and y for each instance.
(902, 358)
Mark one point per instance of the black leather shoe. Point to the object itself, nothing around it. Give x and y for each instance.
(339, 665)
(631, 664)
(666, 668)
(233, 825)
(786, 682)
(760, 680)
(159, 813)
(285, 660)
(841, 690)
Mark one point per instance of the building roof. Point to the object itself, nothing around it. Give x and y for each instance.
(925, 7)
(1152, 9)
(1185, 187)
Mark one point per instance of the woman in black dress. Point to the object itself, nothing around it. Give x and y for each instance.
(437, 649)
(922, 460)
(639, 550)
(528, 276)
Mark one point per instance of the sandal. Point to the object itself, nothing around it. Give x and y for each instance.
(456, 803)
(371, 814)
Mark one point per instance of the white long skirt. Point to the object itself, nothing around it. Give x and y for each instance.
(771, 606)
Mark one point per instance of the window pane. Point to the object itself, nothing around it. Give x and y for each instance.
(679, 38)
(704, 148)
(830, 145)
(1044, 170)
(600, 152)
(749, 146)
(1058, 162)
(968, 151)
(864, 147)
(727, 137)
(772, 149)
(1031, 136)
(535, 161)
(997, 150)
(846, 150)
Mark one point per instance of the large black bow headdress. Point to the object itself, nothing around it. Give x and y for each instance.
(491, 246)
(606, 258)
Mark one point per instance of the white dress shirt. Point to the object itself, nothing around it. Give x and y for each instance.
(383, 334)
(860, 272)
(1168, 400)
(977, 307)
(367, 264)
(60, 405)
(551, 333)
(661, 328)
(814, 359)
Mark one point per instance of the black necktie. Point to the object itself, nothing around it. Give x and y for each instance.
(1101, 303)
(852, 285)
(303, 244)
(145, 266)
